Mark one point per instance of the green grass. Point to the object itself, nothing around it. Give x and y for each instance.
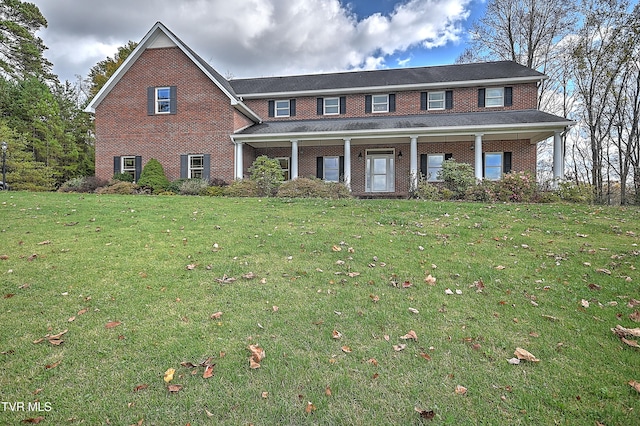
(125, 258)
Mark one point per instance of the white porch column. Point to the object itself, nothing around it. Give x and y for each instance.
(478, 156)
(239, 168)
(558, 157)
(347, 163)
(413, 162)
(294, 159)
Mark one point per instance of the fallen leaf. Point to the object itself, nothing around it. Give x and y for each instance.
(413, 311)
(635, 316)
(372, 361)
(635, 385)
(410, 335)
(632, 343)
(33, 420)
(353, 274)
(448, 291)
(225, 279)
(54, 365)
(83, 311)
(174, 388)
(336, 248)
(140, 387)
(191, 266)
(604, 271)
(427, 415)
(265, 395)
(216, 315)
(346, 349)
(44, 243)
(327, 391)
(460, 390)
(513, 361)
(399, 347)
(633, 303)
(500, 267)
(374, 298)
(594, 286)
(310, 407)
(71, 319)
(168, 375)
(257, 355)
(208, 371)
(112, 324)
(620, 331)
(584, 303)
(249, 276)
(430, 280)
(526, 355)
(425, 356)
(4, 257)
(406, 284)
(336, 334)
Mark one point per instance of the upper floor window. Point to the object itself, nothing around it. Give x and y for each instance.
(435, 101)
(380, 103)
(282, 108)
(161, 100)
(495, 97)
(331, 106)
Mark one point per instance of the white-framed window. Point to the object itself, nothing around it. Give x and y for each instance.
(163, 100)
(128, 166)
(380, 103)
(331, 169)
(435, 101)
(493, 165)
(494, 97)
(282, 108)
(380, 170)
(331, 106)
(196, 166)
(284, 165)
(434, 165)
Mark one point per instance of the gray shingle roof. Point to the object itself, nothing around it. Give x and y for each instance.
(380, 78)
(425, 121)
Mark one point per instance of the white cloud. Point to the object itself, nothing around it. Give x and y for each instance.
(251, 37)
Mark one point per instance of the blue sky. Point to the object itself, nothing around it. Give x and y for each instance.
(253, 38)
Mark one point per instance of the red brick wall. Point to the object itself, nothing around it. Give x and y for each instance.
(202, 125)
(465, 99)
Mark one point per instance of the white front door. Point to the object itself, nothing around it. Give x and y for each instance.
(380, 171)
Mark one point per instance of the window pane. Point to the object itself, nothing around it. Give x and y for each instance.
(436, 100)
(493, 97)
(331, 169)
(380, 183)
(163, 93)
(128, 163)
(493, 173)
(331, 106)
(435, 160)
(493, 160)
(379, 165)
(282, 108)
(380, 103)
(197, 161)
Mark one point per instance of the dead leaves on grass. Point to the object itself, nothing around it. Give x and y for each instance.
(623, 333)
(257, 355)
(54, 339)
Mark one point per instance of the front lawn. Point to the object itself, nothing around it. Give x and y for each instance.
(102, 294)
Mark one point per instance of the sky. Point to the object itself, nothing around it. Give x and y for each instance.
(262, 38)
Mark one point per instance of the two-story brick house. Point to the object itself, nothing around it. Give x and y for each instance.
(377, 131)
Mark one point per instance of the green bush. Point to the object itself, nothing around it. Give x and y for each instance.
(575, 193)
(174, 185)
(193, 186)
(153, 177)
(242, 188)
(484, 191)
(427, 191)
(87, 184)
(313, 188)
(122, 188)
(123, 177)
(518, 187)
(213, 191)
(267, 174)
(457, 178)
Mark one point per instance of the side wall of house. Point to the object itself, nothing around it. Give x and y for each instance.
(203, 122)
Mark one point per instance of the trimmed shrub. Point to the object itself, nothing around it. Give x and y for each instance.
(83, 184)
(122, 188)
(242, 188)
(312, 188)
(483, 191)
(123, 177)
(153, 177)
(214, 191)
(457, 178)
(174, 185)
(517, 187)
(267, 174)
(193, 187)
(427, 191)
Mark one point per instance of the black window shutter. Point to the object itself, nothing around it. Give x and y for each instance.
(508, 96)
(173, 100)
(483, 164)
(184, 166)
(448, 99)
(320, 106)
(320, 167)
(206, 173)
(423, 100)
(448, 157)
(138, 171)
(367, 104)
(341, 168)
(272, 108)
(481, 94)
(292, 108)
(343, 104)
(116, 165)
(424, 158)
(506, 162)
(392, 103)
(151, 100)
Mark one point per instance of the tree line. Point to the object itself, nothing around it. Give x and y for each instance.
(590, 49)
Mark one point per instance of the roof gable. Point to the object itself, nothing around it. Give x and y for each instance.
(159, 37)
